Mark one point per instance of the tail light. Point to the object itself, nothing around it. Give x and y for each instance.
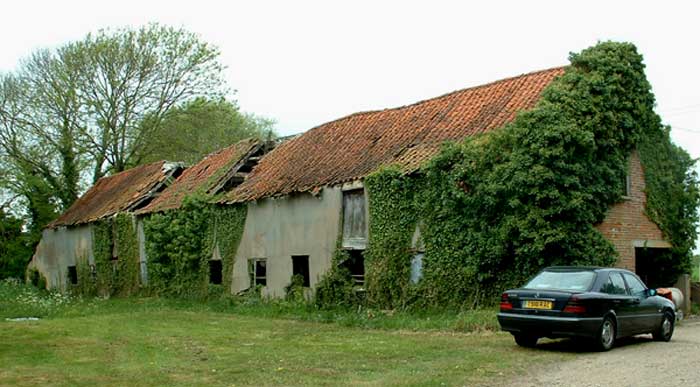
(574, 306)
(505, 303)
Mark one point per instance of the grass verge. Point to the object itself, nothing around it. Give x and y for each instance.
(150, 341)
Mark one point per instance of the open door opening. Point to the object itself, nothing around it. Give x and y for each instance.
(652, 266)
(356, 265)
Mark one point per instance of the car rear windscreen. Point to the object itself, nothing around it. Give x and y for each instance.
(562, 280)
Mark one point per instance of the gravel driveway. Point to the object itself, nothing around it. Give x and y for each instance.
(638, 361)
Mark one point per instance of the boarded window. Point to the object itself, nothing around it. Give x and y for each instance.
(144, 272)
(73, 275)
(141, 237)
(300, 266)
(356, 265)
(627, 185)
(354, 219)
(257, 271)
(215, 272)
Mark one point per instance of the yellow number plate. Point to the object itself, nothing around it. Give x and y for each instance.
(532, 304)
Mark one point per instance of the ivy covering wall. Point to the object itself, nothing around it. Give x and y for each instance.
(393, 219)
(673, 199)
(116, 268)
(496, 208)
(180, 243)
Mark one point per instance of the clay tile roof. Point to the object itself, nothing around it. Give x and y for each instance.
(116, 193)
(203, 176)
(354, 146)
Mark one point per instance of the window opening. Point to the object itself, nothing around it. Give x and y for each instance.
(636, 287)
(615, 285)
(300, 266)
(215, 271)
(354, 219)
(417, 268)
(356, 265)
(257, 271)
(627, 185)
(73, 275)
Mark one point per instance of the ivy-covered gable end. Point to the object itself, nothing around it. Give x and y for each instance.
(496, 208)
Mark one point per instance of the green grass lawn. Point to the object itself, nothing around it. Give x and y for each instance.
(159, 342)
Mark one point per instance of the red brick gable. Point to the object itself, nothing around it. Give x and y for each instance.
(626, 224)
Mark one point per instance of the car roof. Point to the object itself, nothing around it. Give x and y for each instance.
(584, 268)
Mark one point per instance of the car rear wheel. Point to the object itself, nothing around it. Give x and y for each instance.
(665, 330)
(527, 341)
(606, 334)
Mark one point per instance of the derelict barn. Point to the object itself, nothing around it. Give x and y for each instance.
(69, 239)
(306, 197)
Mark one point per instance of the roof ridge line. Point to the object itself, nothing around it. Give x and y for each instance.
(131, 169)
(447, 94)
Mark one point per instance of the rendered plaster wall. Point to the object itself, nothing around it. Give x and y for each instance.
(626, 224)
(278, 228)
(59, 248)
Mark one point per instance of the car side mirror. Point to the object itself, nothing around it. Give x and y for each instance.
(651, 292)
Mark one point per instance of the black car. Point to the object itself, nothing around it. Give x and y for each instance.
(603, 304)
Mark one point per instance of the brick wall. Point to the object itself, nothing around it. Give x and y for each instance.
(626, 224)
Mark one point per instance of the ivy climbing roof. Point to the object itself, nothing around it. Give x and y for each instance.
(122, 191)
(206, 177)
(352, 147)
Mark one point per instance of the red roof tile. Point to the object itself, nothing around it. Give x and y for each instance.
(115, 193)
(203, 176)
(354, 146)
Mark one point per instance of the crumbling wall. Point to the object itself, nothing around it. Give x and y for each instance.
(60, 248)
(278, 228)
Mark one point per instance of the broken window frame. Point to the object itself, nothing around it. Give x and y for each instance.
(253, 276)
(356, 266)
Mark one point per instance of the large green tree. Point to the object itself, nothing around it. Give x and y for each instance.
(15, 249)
(77, 112)
(127, 75)
(40, 162)
(196, 128)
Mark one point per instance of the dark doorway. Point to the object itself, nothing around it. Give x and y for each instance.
(653, 266)
(300, 266)
(73, 275)
(215, 269)
(356, 265)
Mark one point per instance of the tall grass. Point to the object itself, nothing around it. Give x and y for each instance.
(22, 300)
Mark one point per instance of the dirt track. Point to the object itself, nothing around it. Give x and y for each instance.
(638, 361)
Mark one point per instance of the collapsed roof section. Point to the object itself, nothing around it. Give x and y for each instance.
(352, 147)
(125, 191)
(218, 172)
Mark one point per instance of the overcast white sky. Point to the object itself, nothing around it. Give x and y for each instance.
(305, 62)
